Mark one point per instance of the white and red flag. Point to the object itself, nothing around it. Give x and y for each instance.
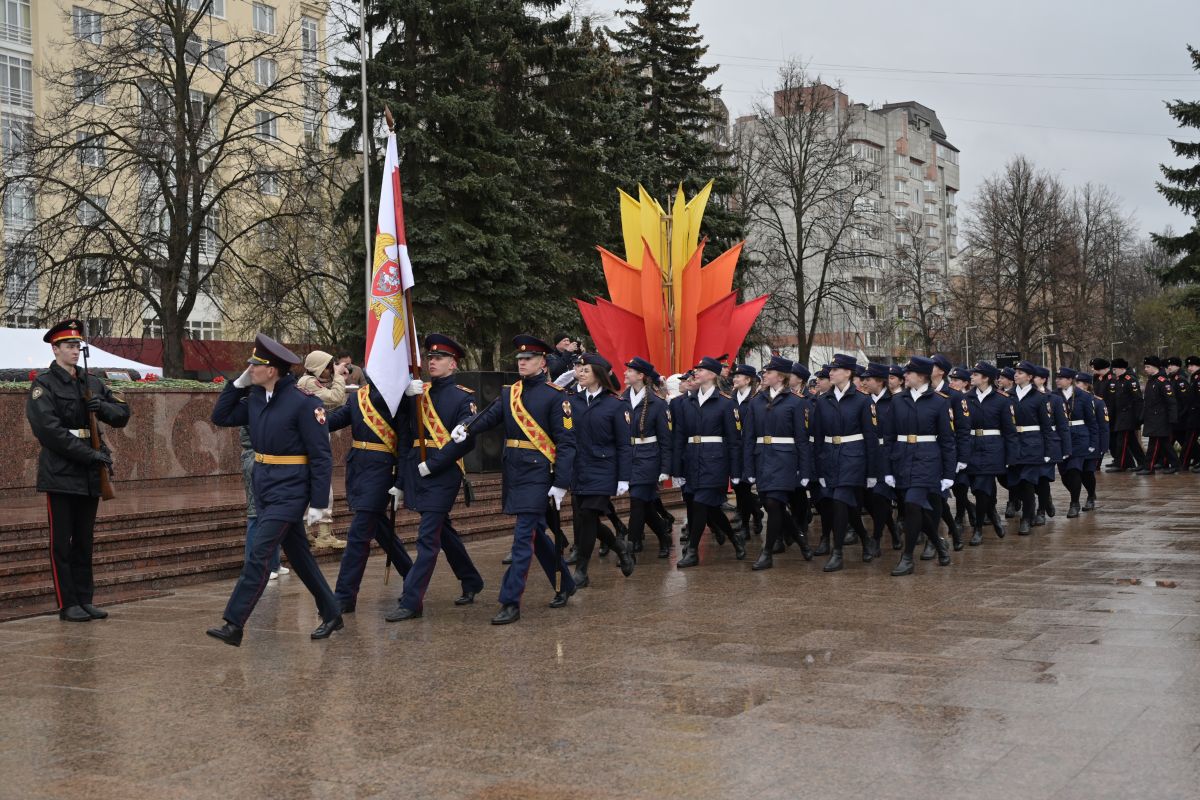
(391, 334)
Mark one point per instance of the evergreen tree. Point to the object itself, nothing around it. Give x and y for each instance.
(683, 132)
(1182, 190)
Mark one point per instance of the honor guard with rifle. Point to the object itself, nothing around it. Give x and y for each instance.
(65, 408)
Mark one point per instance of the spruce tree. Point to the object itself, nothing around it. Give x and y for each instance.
(1182, 190)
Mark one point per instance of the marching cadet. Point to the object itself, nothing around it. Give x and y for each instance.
(995, 437)
(1091, 465)
(603, 463)
(799, 504)
(846, 453)
(370, 474)
(431, 481)
(1058, 445)
(959, 379)
(1191, 453)
(745, 380)
(293, 468)
(687, 385)
(706, 457)
(920, 451)
(1180, 384)
(895, 379)
(1124, 400)
(539, 456)
(942, 368)
(880, 496)
(61, 402)
(1033, 415)
(1083, 432)
(777, 455)
(1159, 414)
(1007, 380)
(650, 430)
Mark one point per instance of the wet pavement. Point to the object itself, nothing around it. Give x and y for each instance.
(1062, 665)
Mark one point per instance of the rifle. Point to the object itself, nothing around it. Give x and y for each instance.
(106, 487)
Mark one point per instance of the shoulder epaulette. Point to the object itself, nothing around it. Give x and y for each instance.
(1000, 392)
(466, 389)
(554, 386)
(943, 394)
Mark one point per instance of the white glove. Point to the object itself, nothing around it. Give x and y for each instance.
(752, 480)
(822, 482)
(558, 494)
(397, 496)
(871, 482)
(959, 467)
(1046, 459)
(423, 469)
(890, 480)
(243, 380)
(1091, 449)
(804, 482)
(735, 481)
(663, 477)
(563, 380)
(415, 387)
(678, 480)
(946, 483)
(622, 488)
(459, 434)
(313, 515)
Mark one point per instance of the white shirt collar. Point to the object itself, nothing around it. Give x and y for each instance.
(743, 394)
(636, 395)
(775, 392)
(269, 396)
(882, 392)
(982, 393)
(839, 394)
(701, 395)
(916, 393)
(1067, 393)
(1022, 391)
(591, 395)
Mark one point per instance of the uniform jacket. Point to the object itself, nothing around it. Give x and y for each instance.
(54, 409)
(1125, 403)
(921, 464)
(1105, 385)
(1059, 445)
(963, 438)
(1084, 436)
(527, 474)
(453, 404)
(776, 467)
(1160, 410)
(1183, 399)
(849, 463)
(292, 423)
(1034, 417)
(603, 451)
(706, 465)
(990, 453)
(1102, 427)
(651, 419)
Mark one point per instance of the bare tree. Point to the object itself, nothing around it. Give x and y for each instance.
(159, 155)
(805, 191)
(915, 282)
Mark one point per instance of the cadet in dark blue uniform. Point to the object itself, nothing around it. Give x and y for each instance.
(1033, 414)
(920, 449)
(880, 496)
(706, 457)
(776, 453)
(603, 463)
(650, 432)
(539, 458)
(1091, 464)
(995, 438)
(293, 467)
(1059, 445)
(1085, 437)
(431, 485)
(370, 474)
(799, 504)
(942, 370)
(749, 509)
(846, 453)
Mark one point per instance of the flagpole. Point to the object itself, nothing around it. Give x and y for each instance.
(366, 150)
(411, 322)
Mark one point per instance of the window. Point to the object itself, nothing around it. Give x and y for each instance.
(866, 285)
(308, 42)
(874, 339)
(151, 328)
(901, 238)
(901, 161)
(94, 273)
(86, 25)
(868, 152)
(266, 124)
(19, 206)
(264, 18)
(902, 185)
(15, 21)
(872, 312)
(268, 182)
(22, 321)
(20, 277)
(193, 49)
(98, 326)
(948, 154)
(16, 81)
(268, 238)
(209, 240)
(865, 177)
(91, 211)
(312, 110)
(14, 133)
(201, 329)
(915, 171)
(90, 148)
(88, 88)
(216, 56)
(265, 71)
(203, 118)
(216, 8)
(901, 312)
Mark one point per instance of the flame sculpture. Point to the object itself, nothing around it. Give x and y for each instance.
(665, 306)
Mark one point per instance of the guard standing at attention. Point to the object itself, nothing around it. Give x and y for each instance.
(60, 403)
(293, 468)
(1159, 416)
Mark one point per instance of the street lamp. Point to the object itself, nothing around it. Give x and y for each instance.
(1112, 350)
(1046, 336)
(967, 343)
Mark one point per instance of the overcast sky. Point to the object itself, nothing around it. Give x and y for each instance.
(1075, 85)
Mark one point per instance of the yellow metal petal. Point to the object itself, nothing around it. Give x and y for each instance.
(631, 229)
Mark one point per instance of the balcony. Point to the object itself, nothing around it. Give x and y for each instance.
(17, 34)
(902, 197)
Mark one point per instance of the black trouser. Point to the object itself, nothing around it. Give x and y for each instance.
(701, 516)
(747, 502)
(1127, 449)
(587, 530)
(1073, 480)
(918, 521)
(1189, 454)
(273, 533)
(1162, 452)
(72, 522)
(881, 513)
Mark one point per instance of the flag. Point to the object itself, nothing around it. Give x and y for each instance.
(389, 329)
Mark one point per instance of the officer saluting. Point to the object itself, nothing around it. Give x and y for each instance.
(69, 467)
(293, 468)
(539, 458)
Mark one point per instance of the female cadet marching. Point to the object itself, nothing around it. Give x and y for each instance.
(880, 496)
(1033, 415)
(995, 434)
(1091, 465)
(1081, 427)
(1058, 445)
(650, 432)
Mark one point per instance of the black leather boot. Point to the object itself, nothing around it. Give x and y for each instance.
(625, 558)
(757, 523)
(823, 547)
(976, 537)
(1073, 511)
(905, 567)
(765, 560)
(834, 563)
(930, 551)
(1089, 504)
(997, 525)
(956, 536)
(739, 546)
(1026, 527)
(580, 575)
(943, 551)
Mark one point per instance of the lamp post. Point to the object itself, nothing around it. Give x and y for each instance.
(967, 343)
(1046, 336)
(1112, 350)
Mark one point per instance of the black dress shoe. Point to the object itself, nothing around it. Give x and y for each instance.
(976, 537)
(398, 614)
(572, 556)
(1090, 504)
(227, 633)
(349, 608)
(930, 551)
(689, 560)
(1073, 511)
(507, 559)
(1114, 469)
(905, 567)
(326, 628)
(1025, 528)
(739, 547)
(764, 561)
(1143, 471)
(1169, 470)
(560, 599)
(508, 615)
(834, 563)
(465, 599)
(93, 611)
(75, 614)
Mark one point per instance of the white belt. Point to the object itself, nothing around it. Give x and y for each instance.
(1028, 429)
(854, 437)
(646, 440)
(82, 433)
(775, 440)
(913, 438)
(880, 441)
(1078, 421)
(812, 439)
(705, 439)
(987, 432)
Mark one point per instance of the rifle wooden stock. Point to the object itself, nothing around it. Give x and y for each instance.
(106, 487)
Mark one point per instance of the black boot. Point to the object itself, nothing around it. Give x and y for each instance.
(1090, 504)
(1039, 520)
(603, 550)
(638, 546)
(930, 551)
(823, 547)
(779, 547)
(1026, 528)
(765, 560)
(868, 547)
(744, 530)
(1073, 511)
(943, 551)
(976, 537)
(663, 531)
(834, 563)
(851, 536)
(972, 515)
(1011, 509)
(905, 567)
(997, 525)
(624, 558)
(1050, 508)
(805, 550)
(572, 557)
(690, 559)
(894, 529)
(757, 523)
(718, 535)
(739, 546)
(956, 536)
(581, 574)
